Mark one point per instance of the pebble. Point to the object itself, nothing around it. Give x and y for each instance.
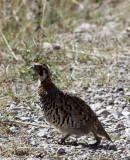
(25, 118)
(79, 146)
(40, 118)
(103, 112)
(120, 126)
(42, 132)
(17, 118)
(121, 93)
(47, 45)
(120, 89)
(96, 106)
(116, 102)
(116, 114)
(123, 104)
(14, 107)
(15, 112)
(126, 114)
(13, 129)
(56, 46)
(61, 151)
(127, 130)
(33, 143)
(109, 107)
(128, 93)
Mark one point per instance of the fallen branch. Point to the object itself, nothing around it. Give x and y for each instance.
(24, 123)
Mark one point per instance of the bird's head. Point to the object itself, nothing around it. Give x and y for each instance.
(41, 70)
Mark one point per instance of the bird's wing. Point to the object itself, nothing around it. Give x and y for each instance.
(74, 106)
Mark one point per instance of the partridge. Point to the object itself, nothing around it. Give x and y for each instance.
(67, 112)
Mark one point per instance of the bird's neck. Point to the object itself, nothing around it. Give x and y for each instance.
(45, 86)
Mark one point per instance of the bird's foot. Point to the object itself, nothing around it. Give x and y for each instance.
(62, 142)
(98, 141)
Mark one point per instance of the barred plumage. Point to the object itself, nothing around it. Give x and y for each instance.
(67, 112)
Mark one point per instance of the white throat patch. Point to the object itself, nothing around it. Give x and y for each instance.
(42, 78)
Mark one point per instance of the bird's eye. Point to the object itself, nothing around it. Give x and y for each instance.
(41, 73)
(40, 67)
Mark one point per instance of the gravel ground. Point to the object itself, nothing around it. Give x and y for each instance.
(33, 140)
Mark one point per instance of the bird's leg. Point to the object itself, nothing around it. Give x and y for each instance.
(62, 141)
(98, 139)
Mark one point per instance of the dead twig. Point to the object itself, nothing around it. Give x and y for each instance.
(11, 51)
(24, 123)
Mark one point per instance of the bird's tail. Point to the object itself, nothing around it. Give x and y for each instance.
(101, 131)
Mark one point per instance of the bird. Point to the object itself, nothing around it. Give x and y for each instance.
(66, 111)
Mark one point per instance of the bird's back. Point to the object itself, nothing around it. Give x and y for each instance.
(67, 112)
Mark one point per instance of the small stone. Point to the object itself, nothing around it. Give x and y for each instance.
(123, 136)
(119, 125)
(36, 128)
(126, 114)
(14, 107)
(15, 112)
(56, 46)
(13, 129)
(119, 89)
(17, 118)
(113, 147)
(96, 106)
(40, 118)
(24, 118)
(99, 98)
(33, 143)
(111, 117)
(116, 114)
(85, 88)
(61, 151)
(8, 105)
(42, 132)
(72, 147)
(103, 112)
(116, 102)
(47, 45)
(79, 146)
(119, 151)
(101, 118)
(121, 93)
(109, 107)
(127, 93)
(127, 132)
(123, 104)
(40, 155)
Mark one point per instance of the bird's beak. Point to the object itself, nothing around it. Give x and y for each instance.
(32, 67)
